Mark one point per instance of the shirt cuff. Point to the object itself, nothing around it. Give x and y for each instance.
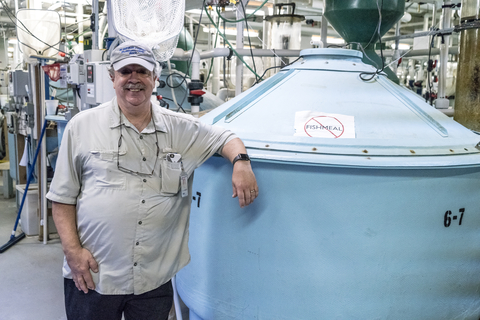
(61, 199)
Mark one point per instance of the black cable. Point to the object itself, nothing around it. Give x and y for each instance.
(249, 42)
(428, 94)
(165, 98)
(10, 14)
(274, 67)
(371, 75)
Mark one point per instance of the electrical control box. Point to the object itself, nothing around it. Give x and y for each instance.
(76, 72)
(94, 55)
(18, 83)
(99, 87)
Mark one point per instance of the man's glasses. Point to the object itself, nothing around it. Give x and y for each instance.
(123, 169)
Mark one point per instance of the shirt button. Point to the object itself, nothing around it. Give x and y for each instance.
(135, 264)
(139, 222)
(141, 137)
(144, 180)
(144, 159)
(143, 201)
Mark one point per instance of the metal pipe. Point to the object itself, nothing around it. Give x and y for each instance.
(426, 22)
(43, 162)
(80, 26)
(418, 53)
(269, 53)
(324, 32)
(183, 55)
(95, 22)
(17, 45)
(214, 53)
(396, 52)
(191, 26)
(102, 28)
(112, 32)
(239, 45)
(420, 34)
(265, 25)
(434, 14)
(442, 74)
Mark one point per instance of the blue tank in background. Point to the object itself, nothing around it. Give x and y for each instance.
(381, 223)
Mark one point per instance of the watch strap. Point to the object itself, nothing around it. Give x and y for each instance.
(241, 157)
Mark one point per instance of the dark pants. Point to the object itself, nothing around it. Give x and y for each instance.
(152, 305)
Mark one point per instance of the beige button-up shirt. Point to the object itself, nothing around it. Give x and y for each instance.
(134, 224)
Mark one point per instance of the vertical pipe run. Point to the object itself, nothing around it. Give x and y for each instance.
(112, 33)
(265, 29)
(442, 102)
(80, 26)
(239, 45)
(324, 32)
(102, 27)
(16, 56)
(95, 19)
(396, 53)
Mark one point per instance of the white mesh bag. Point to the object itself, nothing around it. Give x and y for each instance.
(37, 30)
(156, 23)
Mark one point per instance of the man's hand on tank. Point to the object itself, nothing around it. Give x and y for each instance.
(244, 183)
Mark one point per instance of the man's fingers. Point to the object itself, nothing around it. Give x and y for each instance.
(89, 282)
(80, 284)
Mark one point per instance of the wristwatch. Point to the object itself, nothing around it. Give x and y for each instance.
(242, 157)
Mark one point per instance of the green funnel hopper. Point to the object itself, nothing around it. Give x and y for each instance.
(357, 20)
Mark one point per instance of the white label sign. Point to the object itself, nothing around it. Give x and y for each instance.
(324, 125)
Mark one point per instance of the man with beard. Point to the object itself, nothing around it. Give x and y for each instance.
(122, 192)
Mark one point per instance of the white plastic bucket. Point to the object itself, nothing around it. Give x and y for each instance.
(51, 106)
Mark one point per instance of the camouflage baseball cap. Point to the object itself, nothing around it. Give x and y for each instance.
(132, 52)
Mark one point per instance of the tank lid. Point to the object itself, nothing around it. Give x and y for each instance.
(319, 110)
(340, 53)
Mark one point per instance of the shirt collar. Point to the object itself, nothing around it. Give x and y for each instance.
(157, 114)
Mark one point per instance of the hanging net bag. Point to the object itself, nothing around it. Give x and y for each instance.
(38, 32)
(156, 23)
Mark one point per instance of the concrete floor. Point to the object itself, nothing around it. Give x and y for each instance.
(31, 282)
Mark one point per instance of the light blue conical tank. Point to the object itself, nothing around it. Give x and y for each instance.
(384, 224)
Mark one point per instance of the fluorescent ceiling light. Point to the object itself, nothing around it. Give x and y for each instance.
(12, 40)
(233, 32)
(401, 46)
(11, 49)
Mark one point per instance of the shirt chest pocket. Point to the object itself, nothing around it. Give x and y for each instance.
(170, 175)
(104, 167)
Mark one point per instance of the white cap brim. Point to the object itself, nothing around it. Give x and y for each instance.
(133, 60)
